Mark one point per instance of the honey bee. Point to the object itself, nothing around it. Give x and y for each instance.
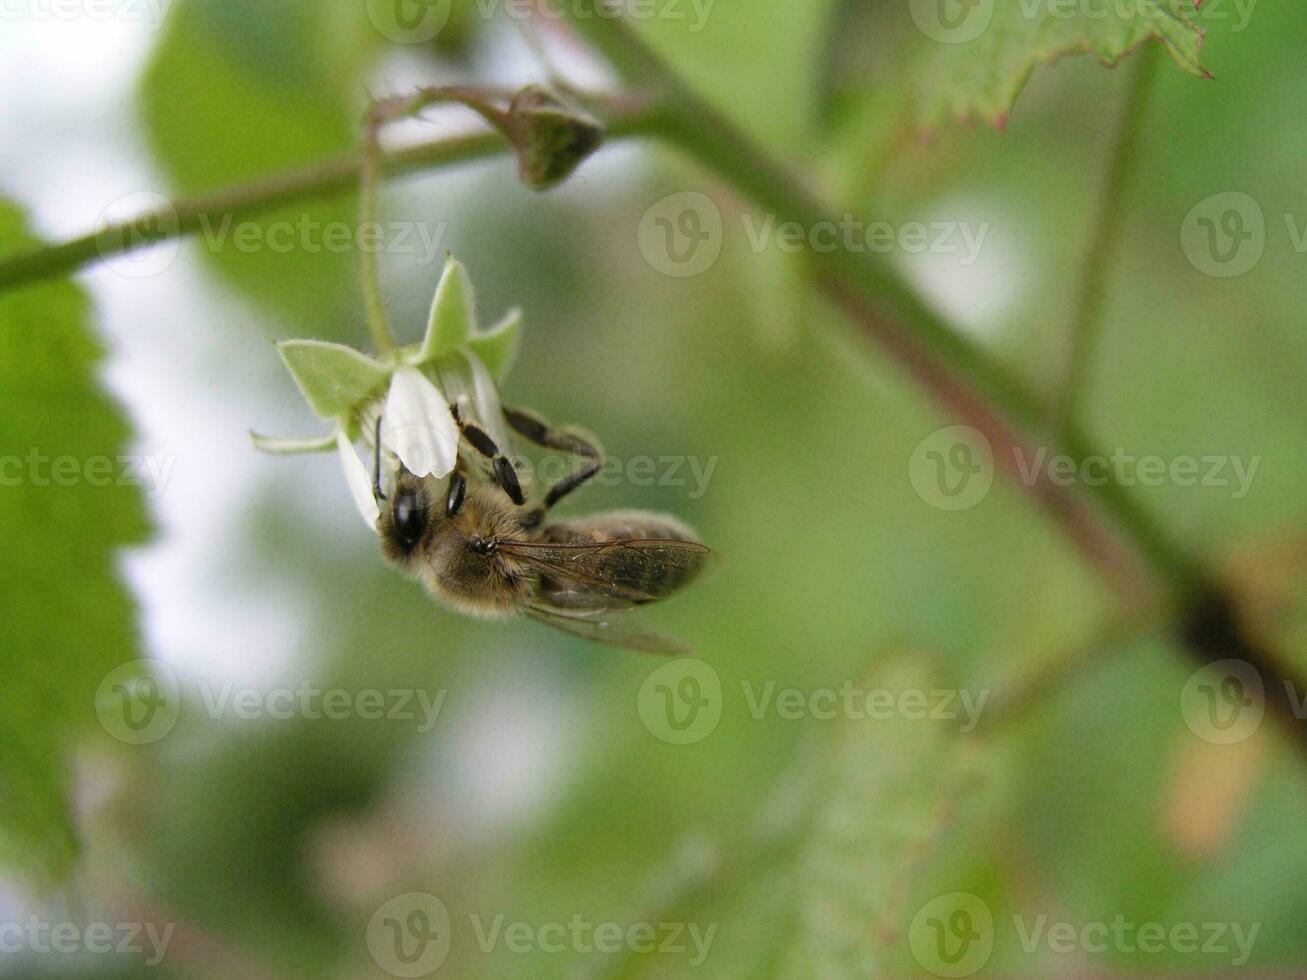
(476, 545)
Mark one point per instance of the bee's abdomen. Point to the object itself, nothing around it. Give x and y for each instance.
(648, 571)
(619, 525)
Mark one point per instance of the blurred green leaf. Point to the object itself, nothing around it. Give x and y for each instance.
(892, 791)
(65, 622)
(979, 53)
(225, 103)
(757, 60)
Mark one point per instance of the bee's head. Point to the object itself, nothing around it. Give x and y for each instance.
(406, 515)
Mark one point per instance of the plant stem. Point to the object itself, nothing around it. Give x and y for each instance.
(1205, 617)
(1111, 211)
(624, 118)
(374, 304)
(701, 131)
(387, 111)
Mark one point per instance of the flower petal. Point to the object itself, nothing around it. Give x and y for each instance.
(358, 481)
(417, 426)
(465, 380)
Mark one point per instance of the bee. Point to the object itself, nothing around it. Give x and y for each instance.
(477, 545)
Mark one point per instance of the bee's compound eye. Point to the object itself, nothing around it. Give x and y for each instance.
(410, 519)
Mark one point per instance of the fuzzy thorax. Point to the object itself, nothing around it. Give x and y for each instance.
(452, 557)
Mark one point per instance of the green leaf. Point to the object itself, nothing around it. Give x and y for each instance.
(979, 53)
(453, 314)
(333, 378)
(224, 104)
(891, 796)
(723, 50)
(66, 508)
(497, 347)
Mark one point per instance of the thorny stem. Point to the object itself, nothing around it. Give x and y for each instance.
(386, 111)
(1092, 288)
(1207, 622)
(703, 133)
(624, 118)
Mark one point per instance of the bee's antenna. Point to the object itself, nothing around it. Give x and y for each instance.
(376, 470)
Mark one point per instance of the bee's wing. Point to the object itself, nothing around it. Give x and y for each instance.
(629, 571)
(601, 627)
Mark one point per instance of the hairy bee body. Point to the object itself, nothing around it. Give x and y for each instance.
(485, 562)
(476, 544)
(630, 569)
(444, 559)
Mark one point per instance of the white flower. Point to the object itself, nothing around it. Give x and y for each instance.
(410, 390)
(466, 382)
(358, 480)
(417, 425)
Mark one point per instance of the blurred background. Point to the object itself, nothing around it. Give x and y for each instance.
(545, 788)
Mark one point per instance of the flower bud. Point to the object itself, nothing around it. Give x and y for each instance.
(551, 138)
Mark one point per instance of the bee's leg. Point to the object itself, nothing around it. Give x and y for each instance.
(480, 440)
(377, 493)
(457, 494)
(535, 429)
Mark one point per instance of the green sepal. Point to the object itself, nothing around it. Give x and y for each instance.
(333, 378)
(497, 347)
